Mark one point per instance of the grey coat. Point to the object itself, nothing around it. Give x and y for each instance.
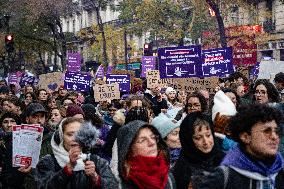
(50, 175)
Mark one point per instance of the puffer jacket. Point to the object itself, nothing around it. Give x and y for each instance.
(50, 175)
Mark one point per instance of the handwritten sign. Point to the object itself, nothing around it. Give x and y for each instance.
(106, 92)
(153, 78)
(54, 78)
(77, 81)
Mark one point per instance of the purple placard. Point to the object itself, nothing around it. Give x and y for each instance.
(180, 62)
(100, 72)
(77, 81)
(122, 79)
(109, 69)
(217, 62)
(28, 80)
(12, 78)
(74, 62)
(148, 63)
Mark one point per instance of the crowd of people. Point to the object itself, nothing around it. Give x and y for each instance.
(152, 138)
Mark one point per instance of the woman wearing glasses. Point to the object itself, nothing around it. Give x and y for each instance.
(265, 92)
(143, 157)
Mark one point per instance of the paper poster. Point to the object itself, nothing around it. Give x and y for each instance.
(77, 81)
(217, 62)
(148, 63)
(153, 78)
(27, 141)
(180, 62)
(74, 62)
(50, 81)
(106, 92)
(122, 79)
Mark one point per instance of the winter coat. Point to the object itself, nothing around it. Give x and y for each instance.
(156, 106)
(50, 175)
(228, 178)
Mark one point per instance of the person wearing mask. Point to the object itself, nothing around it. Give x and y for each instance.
(255, 162)
(69, 167)
(170, 134)
(11, 177)
(143, 157)
(200, 153)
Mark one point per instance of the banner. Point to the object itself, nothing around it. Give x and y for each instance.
(217, 62)
(106, 92)
(50, 81)
(180, 62)
(74, 62)
(148, 63)
(122, 79)
(100, 72)
(77, 81)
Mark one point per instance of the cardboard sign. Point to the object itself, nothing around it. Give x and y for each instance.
(123, 80)
(50, 81)
(74, 62)
(106, 92)
(180, 62)
(153, 78)
(77, 81)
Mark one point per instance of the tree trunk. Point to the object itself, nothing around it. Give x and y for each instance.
(215, 8)
(101, 27)
(125, 48)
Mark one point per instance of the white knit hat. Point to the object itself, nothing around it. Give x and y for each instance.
(223, 105)
(170, 89)
(164, 124)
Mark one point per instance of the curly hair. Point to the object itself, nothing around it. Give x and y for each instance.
(250, 115)
(273, 94)
(201, 99)
(279, 77)
(137, 113)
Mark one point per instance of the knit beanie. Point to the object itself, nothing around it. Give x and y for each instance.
(169, 89)
(74, 109)
(164, 124)
(223, 105)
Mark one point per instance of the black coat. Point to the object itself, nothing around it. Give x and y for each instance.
(156, 105)
(50, 175)
(235, 180)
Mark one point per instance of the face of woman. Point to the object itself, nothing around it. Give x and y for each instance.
(29, 90)
(203, 138)
(173, 139)
(261, 95)
(55, 116)
(6, 106)
(67, 102)
(145, 144)
(69, 135)
(240, 91)
(29, 98)
(182, 97)
(42, 95)
(7, 124)
(233, 97)
(171, 95)
(52, 104)
(194, 105)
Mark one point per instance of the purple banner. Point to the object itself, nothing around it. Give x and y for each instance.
(217, 62)
(77, 81)
(12, 78)
(28, 80)
(74, 62)
(122, 79)
(180, 62)
(100, 72)
(148, 63)
(109, 69)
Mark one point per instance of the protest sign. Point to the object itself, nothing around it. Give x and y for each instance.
(106, 92)
(255, 70)
(148, 63)
(74, 62)
(27, 141)
(50, 81)
(109, 69)
(217, 62)
(130, 72)
(122, 79)
(180, 62)
(153, 78)
(77, 81)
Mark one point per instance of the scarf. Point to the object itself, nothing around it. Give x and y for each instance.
(257, 170)
(62, 156)
(175, 152)
(149, 172)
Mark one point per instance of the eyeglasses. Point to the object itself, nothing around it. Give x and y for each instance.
(268, 131)
(196, 105)
(143, 140)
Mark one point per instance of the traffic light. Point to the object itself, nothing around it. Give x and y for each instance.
(148, 49)
(9, 43)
